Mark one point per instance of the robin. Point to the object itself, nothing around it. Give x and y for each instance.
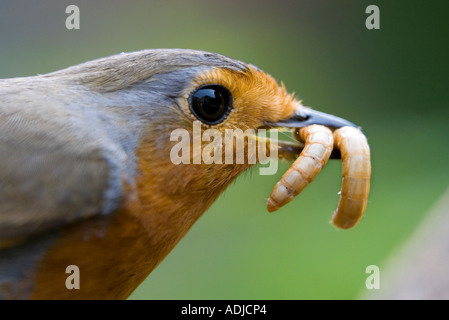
(86, 178)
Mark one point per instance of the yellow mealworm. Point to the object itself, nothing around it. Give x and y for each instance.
(355, 155)
(318, 147)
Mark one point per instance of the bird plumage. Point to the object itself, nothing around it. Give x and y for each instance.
(86, 177)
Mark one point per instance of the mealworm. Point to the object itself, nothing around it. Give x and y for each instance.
(355, 155)
(318, 147)
(319, 142)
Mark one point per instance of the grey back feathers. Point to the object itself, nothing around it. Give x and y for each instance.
(68, 138)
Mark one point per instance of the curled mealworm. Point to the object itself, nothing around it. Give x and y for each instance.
(318, 147)
(355, 155)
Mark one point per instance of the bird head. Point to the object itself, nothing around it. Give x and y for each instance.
(123, 139)
(152, 94)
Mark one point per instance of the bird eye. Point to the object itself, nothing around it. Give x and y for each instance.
(211, 103)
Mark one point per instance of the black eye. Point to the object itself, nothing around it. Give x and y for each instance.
(211, 103)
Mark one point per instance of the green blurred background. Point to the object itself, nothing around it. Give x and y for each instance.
(393, 82)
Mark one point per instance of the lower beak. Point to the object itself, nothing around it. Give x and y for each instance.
(304, 117)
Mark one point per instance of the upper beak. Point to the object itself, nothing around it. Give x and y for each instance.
(304, 117)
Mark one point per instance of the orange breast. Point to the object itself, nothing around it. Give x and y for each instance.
(113, 255)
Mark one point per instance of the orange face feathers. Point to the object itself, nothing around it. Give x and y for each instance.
(257, 97)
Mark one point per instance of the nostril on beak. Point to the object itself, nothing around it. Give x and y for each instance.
(303, 117)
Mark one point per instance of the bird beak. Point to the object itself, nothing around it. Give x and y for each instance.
(304, 117)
